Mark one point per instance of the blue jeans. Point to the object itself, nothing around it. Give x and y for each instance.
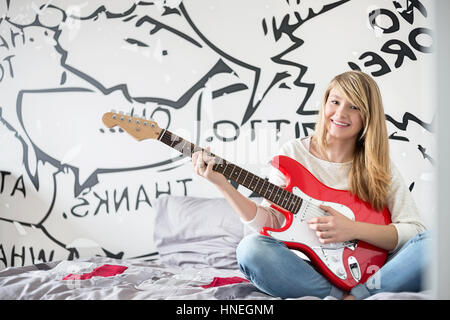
(274, 269)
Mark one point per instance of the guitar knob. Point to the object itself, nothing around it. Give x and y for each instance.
(340, 271)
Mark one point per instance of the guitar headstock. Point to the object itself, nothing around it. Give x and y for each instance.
(139, 128)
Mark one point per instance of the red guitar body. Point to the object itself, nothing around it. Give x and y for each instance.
(343, 264)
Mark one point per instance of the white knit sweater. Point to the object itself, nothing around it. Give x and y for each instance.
(404, 212)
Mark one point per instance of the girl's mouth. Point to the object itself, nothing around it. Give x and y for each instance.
(339, 124)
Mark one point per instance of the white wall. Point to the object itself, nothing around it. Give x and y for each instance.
(441, 245)
(250, 71)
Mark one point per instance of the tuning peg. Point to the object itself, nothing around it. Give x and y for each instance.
(113, 111)
(120, 112)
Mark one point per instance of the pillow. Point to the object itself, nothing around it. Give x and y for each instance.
(197, 232)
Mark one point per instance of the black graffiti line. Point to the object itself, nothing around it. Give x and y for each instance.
(93, 15)
(33, 179)
(108, 14)
(40, 225)
(229, 89)
(93, 180)
(218, 68)
(243, 64)
(410, 117)
(289, 29)
(311, 15)
(41, 155)
(252, 107)
(36, 226)
(136, 42)
(73, 252)
(394, 136)
(123, 88)
(298, 81)
(152, 254)
(217, 93)
(160, 25)
(425, 155)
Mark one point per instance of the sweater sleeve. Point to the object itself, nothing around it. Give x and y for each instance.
(267, 216)
(405, 215)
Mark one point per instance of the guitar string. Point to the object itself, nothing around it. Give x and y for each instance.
(312, 212)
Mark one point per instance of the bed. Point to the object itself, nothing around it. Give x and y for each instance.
(196, 240)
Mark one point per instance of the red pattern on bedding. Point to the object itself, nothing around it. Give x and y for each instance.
(106, 270)
(218, 281)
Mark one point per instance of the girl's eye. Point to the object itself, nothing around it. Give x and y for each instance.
(334, 102)
(354, 107)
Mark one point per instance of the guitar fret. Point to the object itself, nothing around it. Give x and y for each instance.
(243, 182)
(261, 186)
(250, 184)
(287, 200)
(299, 203)
(220, 166)
(182, 147)
(256, 185)
(237, 178)
(290, 202)
(173, 141)
(284, 199)
(271, 192)
(224, 170)
(239, 175)
(269, 187)
(275, 197)
(232, 170)
(161, 135)
(293, 203)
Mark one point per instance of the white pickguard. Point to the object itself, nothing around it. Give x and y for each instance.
(299, 232)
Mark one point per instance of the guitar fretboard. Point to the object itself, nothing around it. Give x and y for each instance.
(263, 187)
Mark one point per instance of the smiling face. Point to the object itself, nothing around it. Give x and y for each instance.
(342, 117)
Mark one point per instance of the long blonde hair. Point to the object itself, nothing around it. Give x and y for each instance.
(370, 173)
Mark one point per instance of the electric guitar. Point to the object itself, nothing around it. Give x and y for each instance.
(344, 264)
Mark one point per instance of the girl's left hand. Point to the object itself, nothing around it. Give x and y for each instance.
(333, 228)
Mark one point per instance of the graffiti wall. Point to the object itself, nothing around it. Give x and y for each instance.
(242, 77)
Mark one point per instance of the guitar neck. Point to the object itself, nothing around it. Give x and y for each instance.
(263, 187)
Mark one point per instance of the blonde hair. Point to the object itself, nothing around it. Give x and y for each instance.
(370, 173)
